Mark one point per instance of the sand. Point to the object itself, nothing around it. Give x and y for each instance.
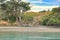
(28, 29)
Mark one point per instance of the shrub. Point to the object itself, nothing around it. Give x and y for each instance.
(56, 10)
(5, 19)
(52, 19)
(44, 20)
(27, 17)
(12, 19)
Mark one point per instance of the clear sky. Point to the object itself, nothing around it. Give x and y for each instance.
(39, 5)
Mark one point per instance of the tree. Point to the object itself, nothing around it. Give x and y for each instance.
(56, 10)
(42, 11)
(13, 8)
(53, 18)
(2, 1)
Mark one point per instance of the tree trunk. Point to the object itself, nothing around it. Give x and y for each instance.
(7, 19)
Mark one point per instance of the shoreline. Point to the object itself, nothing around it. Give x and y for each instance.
(28, 29)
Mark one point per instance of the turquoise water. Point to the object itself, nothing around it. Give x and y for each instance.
(29, 36)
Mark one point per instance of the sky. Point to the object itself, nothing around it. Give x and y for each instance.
(39, 5)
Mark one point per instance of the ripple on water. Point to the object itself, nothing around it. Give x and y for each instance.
(29, 36)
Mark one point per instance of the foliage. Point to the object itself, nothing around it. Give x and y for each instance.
(13, 7)
(27, 18)
(25, 6)
(12, 19)
(46, 18)
(43, 11)
(5, 19)
(51, 19)
(53, 22)
(1, 1)
(56, 10)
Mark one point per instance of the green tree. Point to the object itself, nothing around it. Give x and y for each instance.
(14, 8)
(56, 10)
(1, 1)
(53, 18)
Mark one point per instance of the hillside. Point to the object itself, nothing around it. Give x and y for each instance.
(37, 16)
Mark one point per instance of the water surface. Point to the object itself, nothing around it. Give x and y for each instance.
(29, 36)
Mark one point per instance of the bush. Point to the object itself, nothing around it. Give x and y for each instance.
(56, 10)
(30, 18)
(45, 19)
(53, 22)
(27, 17)
(12, 19)
(5, 19)
(53, 19)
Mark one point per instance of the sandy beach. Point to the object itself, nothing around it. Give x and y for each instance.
(28, 29)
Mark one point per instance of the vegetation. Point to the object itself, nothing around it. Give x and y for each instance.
(14, 8)
(12, 19)
(27, 18)
(56, 10)
(15, 11)
(52, 19)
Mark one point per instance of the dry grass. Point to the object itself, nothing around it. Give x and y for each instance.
(4, 22)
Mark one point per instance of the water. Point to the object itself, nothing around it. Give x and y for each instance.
(29, 36)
